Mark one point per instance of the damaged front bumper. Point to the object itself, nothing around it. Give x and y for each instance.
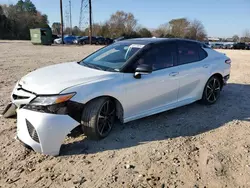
(43, 132)
(42, 128)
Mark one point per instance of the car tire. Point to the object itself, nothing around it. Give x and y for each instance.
(98, 118)
(211, 91)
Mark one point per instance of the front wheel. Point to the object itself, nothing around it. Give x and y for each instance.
(211, 91)
(98, 118)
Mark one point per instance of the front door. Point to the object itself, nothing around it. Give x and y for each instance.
(153, 92)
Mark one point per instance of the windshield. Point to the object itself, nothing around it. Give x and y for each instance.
(113, 57)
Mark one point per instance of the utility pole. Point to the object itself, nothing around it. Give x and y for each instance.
(61, 9)
(70, 17)
(90, 22)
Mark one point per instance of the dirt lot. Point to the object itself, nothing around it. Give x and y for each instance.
(192, 146)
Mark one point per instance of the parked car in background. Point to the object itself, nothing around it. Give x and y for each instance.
(228, 46)
(58, 41)
(85, 40)
(126, 80)
(217, 46)
(108, 41)
(119, 39)
(248, 46)
(54, 37)
(239, 46)
(100, 40)
(67, 40)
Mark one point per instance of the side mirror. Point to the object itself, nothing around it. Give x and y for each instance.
(142, 69)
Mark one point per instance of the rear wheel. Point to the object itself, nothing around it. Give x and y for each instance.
(98, 118)
(212, 90)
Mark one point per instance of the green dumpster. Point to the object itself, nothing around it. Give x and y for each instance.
(41, 36)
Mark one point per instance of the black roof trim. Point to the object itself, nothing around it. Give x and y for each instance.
(158, 40)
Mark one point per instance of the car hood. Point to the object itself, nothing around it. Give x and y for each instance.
(56, 78)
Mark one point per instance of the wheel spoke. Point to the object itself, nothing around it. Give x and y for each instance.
(209, 96)
(216, 89)
(102, 128)
(214, 83)
(101, 116)
(112, 112)
(209, 87)
(105, 118)
(107, 108)
(214, 96)
(109, 124)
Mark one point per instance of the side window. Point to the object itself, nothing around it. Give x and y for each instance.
(202, 54)
(188, 52)
(160, 56)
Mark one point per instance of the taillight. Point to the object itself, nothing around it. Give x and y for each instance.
(228, 61)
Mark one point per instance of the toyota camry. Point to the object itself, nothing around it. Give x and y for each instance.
(127, 80)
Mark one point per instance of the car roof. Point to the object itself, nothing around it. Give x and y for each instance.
(146, 41)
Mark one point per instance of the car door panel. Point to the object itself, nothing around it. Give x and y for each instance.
(156, 90)
(191, 77)
(150, 92)
(192, 71)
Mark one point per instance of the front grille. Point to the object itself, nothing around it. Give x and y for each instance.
(32, 131)
(17, 97)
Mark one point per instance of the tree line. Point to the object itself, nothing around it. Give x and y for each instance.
(125, 24)
(17, 19)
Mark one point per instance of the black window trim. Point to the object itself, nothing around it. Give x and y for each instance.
(198, 45)
(144, 50)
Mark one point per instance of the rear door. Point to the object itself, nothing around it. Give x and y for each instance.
(193, 70)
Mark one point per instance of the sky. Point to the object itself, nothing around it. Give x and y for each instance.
(221, 18)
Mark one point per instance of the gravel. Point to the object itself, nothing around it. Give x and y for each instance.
(192, 146)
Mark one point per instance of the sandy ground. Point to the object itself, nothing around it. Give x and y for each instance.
(192, 146)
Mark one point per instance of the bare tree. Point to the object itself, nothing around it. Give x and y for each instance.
(196, 31)
(144, 32)
(236, 38)
(179, 27)
(56, 28)
(246, 36)
(162, 30)
(122, 22)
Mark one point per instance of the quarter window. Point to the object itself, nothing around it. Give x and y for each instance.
(188, 52)
(202, 54)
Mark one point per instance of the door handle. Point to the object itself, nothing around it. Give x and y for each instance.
(205, 66)
(173, 74)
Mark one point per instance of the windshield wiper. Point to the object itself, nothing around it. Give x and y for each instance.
(90, 65)
(94, 66)
(111, 69)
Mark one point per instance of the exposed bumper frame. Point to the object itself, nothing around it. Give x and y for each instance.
(9, 111)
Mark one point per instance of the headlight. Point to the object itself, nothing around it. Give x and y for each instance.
(50, 100)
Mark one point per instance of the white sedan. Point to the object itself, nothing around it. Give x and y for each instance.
(127, 80)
